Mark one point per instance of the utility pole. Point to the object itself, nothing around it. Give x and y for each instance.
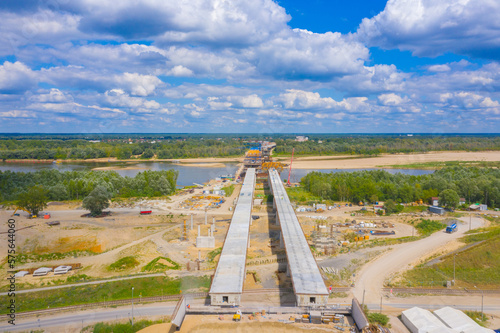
(470, 221)
(132, 306)
(363, 302)
(482, 303)
(381, 304)
(454, 256)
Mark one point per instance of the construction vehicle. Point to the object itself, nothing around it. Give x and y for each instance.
(451, 228)
(20, 208)
(146, 212)
(237, 316)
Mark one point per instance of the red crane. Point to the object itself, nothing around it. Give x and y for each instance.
(290, 171)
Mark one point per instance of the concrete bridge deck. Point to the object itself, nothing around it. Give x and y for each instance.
(308, 285)
(227, 284)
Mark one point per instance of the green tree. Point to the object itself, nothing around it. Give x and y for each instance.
(449, 198)
(34, 200)
(148, 153)
(97, 200)
(391, 207)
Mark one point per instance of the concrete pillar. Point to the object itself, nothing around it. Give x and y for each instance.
(282, 243)
(199, 230)
(287, 270)
(206, 217)
(213, 222)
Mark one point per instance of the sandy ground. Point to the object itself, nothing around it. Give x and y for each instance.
(264, 324)
(348, 162)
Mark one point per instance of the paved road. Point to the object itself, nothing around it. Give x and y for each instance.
(71, 322)
(83, 283)
(372, 276)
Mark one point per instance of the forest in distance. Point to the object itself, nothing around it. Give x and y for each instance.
(176, 146)
(476, 185)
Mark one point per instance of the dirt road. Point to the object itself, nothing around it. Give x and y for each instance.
(402, 257)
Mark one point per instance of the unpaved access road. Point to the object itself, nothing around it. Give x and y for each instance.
(402, 257)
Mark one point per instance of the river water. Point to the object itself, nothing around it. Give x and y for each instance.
(187, 174)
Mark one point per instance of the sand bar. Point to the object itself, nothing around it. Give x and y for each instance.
(391, 160)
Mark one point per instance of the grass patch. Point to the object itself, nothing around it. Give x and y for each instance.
(214, 253)
(482, 234)
(478, 317)
(228, 190)
(123, 264)
(23, 258)
(479, 266)
(377, 318)
(299, 194)
(156, 265)
(78, 278)
(114, 290)
(389, 241)
(414, 209)
(428, 227)
(121, 327)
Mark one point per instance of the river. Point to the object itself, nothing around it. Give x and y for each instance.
(187, 174)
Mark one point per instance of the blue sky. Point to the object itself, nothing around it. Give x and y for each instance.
(261, 66)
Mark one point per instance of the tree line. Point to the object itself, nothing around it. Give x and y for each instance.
(126, 146)
(76, 185)
(476, 185)
(52, 149)
(380, 144)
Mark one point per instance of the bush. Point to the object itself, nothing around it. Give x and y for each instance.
(427, 227)
(123, 264)
(379, 318)
(154, 265)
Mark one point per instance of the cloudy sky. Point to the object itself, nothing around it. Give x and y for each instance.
(259, 66)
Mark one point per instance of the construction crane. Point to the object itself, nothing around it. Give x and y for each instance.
(290, 171)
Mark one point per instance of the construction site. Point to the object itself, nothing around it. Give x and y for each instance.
(268, 260)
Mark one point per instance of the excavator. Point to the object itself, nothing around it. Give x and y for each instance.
(19, 208)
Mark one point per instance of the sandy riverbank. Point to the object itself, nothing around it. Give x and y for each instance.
(348, 162)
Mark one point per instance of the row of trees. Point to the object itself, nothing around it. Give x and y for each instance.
(474, 184)
(121, 149)
(378, 144)
(210, 145)
(71, 185)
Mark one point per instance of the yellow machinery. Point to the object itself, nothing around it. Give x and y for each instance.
(19, 208)
(273, 165)
(237, 316)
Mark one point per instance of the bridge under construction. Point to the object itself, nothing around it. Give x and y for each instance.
(308, 285)
(227, 285)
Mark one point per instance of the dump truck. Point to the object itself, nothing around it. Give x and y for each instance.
(451, 228)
